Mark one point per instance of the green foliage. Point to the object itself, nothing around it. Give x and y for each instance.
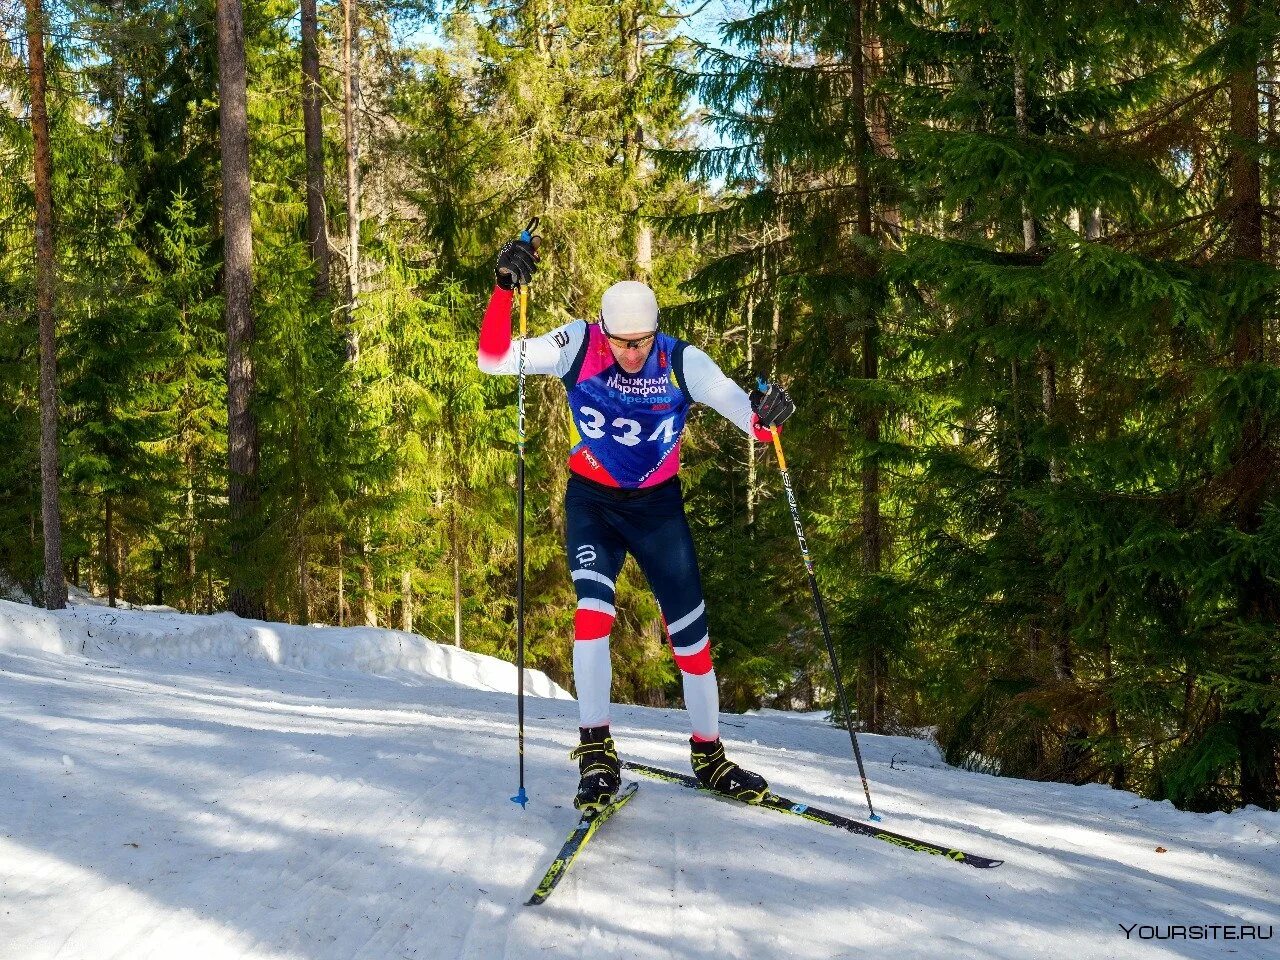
(1192, 775)
(1012, 267)
(1073, 470)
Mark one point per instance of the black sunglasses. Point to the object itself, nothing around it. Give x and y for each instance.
(629, 344)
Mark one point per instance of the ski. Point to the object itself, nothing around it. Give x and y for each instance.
(782, 805)
(584, 831)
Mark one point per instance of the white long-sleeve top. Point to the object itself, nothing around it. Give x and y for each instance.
(553, 353)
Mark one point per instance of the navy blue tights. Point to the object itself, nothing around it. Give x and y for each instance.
(601, 527)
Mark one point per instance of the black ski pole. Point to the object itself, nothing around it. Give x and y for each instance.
(817, 602)
(521, 797)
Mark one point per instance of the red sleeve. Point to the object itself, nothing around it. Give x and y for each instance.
(495, 331)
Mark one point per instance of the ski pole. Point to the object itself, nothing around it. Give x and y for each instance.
(521, 797)
(817, 602)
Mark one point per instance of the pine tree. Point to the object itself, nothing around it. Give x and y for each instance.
(242, 426)
(21, 550)
(118, 396)
(178, 284)
(54, 583)
(312, 97)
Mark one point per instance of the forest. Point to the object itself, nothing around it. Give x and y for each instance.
(1018, 267)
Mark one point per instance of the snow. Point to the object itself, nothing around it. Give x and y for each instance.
(216, 788)
(226, 639)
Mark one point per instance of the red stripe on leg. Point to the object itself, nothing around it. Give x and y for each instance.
(591, 625)
(698, 664)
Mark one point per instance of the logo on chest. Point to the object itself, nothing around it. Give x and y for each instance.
(634, 390)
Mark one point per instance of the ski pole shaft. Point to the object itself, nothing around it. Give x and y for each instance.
(822, 612)
(522, 797)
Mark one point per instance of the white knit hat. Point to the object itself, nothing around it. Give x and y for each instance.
(629, 307)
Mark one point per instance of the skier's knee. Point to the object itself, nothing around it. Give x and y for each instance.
(690, 641)
(694, 659)
(595, 614)
(592, 621)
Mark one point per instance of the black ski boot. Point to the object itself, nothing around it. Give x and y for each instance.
(599, 767)
(724, 776)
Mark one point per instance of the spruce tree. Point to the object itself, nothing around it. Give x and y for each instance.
(54, 588)
(804, 226)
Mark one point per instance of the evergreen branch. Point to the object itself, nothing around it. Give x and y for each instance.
(1164, 113)
(1169, 227)
(676, 17)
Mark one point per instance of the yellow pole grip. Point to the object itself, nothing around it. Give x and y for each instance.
(777, 446)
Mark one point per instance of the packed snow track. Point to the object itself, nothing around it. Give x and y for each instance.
(233, 807)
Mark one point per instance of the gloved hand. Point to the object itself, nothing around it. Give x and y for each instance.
(517, 261)
(772, 407)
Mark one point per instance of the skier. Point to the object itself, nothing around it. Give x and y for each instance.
(629, 388)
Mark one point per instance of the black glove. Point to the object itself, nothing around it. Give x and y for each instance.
(772, 407)
(517, 261)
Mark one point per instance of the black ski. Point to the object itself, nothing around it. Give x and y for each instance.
(782, 805)
(584, 831)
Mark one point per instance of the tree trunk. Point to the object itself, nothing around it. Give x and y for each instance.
(1253, 471)
(455, 550)
(881, 141)
(1246, 187)
(1060, 644)
(457, 601)
(751, 439)
(109, 552)
(55, 585)
(189, 520)
(351, 100)
(1271, 345)
(777, 338)
(342, 592)
(644, 249)
(874, 680)
(157, 577)
(368, 602)
(406, 600)
(638, 233)
(317, 227)
(242, 425)
(1113, 716)
(304, 585)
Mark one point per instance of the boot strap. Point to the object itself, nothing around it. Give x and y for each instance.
(588, 749)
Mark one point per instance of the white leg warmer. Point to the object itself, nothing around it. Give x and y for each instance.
(702, 700)
(592, 677)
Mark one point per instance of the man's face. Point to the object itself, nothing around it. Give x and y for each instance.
(631, 358)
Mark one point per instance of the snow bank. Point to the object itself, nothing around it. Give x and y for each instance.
(105, 632)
